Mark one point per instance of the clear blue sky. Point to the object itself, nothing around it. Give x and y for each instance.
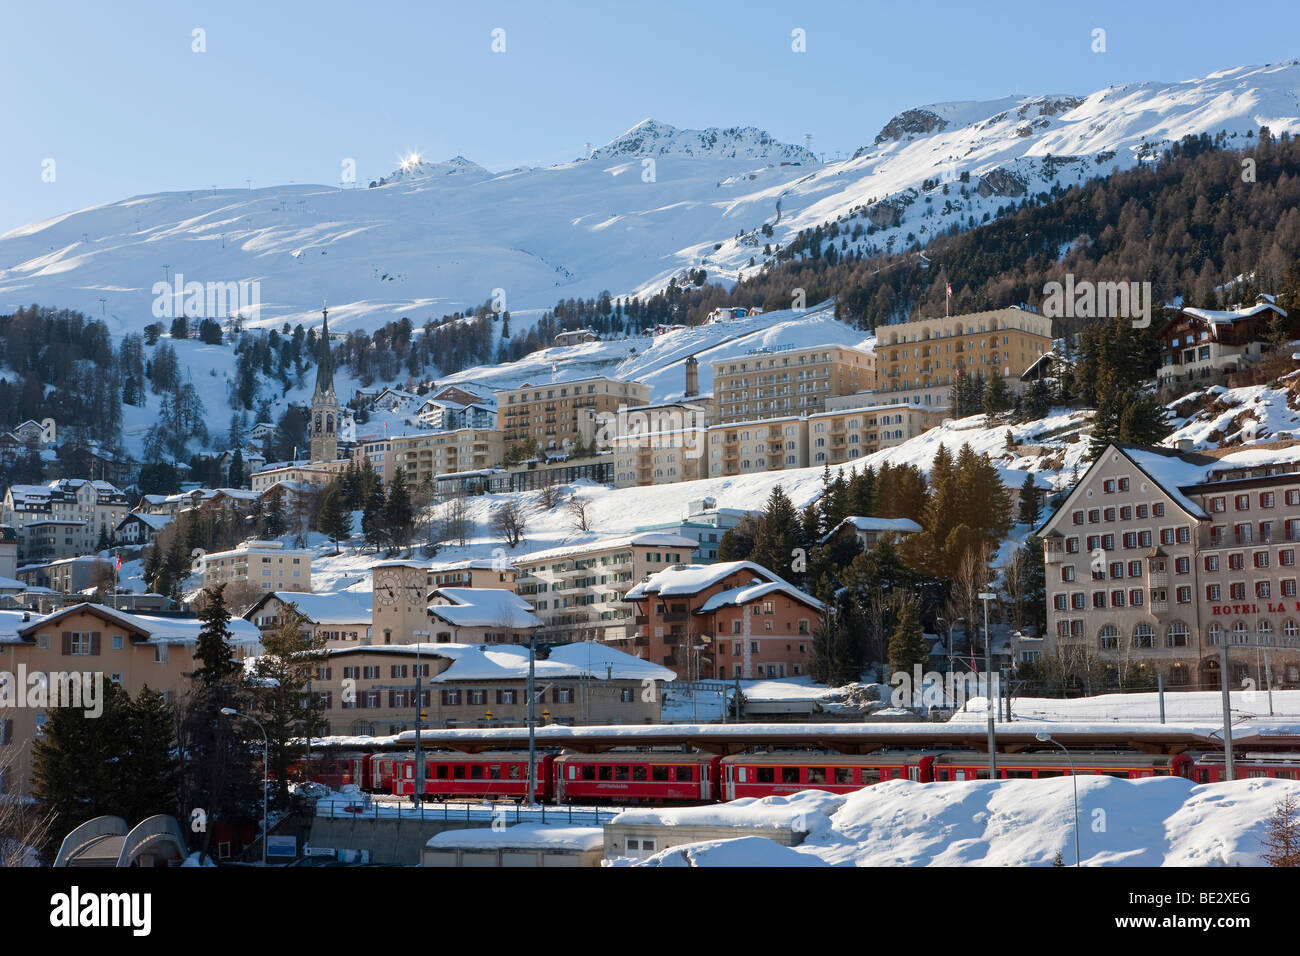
(286, 91)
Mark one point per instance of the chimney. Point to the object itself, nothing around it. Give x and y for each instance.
(692, 376)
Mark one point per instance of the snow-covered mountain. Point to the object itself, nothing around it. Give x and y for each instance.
(437, 237)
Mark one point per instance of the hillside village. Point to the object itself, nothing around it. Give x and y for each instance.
(811, 476)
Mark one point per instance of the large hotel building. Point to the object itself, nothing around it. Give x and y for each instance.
(921, 360)
(784, 381)
(1164, 557)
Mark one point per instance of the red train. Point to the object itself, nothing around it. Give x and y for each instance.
(635, 777)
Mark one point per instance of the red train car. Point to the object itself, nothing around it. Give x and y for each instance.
(770, 774)
(335, 770)
(1210, 768)
(637, 778)
(1037, 766)
(488, 776)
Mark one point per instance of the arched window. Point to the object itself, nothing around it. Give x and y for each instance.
(1108, 639)
(1176, 635)
(1144, 636)
(1265, 628)
(329, 424)
(1239, 632)
(1215, 633)
(1290, 628)
(1179, 676)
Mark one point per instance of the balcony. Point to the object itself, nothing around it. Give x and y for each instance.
(675, 617)
(641, 620)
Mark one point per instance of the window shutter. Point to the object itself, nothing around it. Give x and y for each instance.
(67, 643)
(94, 643)
(392, 698)
(500, 698)
(6, 731)
(444, 698)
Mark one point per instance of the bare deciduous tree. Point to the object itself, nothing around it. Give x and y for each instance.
(580, 513)
(508, 522)
(23, 828)
(552, 493)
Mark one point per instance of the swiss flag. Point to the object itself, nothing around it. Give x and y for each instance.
(950, 290)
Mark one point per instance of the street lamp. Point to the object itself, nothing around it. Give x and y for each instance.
(266, 747)
(987, 596)
(1047, 738)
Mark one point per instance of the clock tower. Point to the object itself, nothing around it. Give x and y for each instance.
(399, 592)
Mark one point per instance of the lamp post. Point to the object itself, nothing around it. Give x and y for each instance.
(1045, 737)
(266, 747)
(532, 722)
(418, 793)
(987, 596)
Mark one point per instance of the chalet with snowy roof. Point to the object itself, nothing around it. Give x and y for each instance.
(1048, 367)
(132, 650)
(480, 616)
(1208, 344)
(465, 393)
(340, 619)
(1159, 558)
(264, 432)
(725, 620)
(577, 337)
(484, 685)
(140, 528)
(442, 414)
(869, 530)
(391, 399)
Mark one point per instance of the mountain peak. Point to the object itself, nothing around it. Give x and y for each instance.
(414, 167)
(651, 137)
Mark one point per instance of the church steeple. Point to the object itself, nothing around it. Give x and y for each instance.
(324, 404)
(324, 365)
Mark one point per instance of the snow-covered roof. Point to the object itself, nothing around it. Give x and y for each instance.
(1219, 317)
(354, 607)
(1172, 471)
(482, 662)
(523, 836)
(476, 564)
(158, 630)
(483, 607)
(867, 523)
(694, 578)
(776, 812)
(152, 521)
(753, 592)
(649, 539)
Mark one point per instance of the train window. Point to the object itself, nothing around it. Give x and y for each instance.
(816, 774)
(638, 773)
(659, 772)
(476, 772)
(514, 771)
(605, 772)
(458, 772)
(440, 772)
(588, 772)
(1285, 774)
(1019, 775)
(1050, 773)
(621, 772)
(789, 774)
(494, 772)
(1256, 773)
(1202, 776)
(1122, 774)
(843, 774)
(870, 775)
(685, 773)
(764, 774)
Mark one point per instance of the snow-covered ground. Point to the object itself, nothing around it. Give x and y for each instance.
(1158, 821)
(1180, 705)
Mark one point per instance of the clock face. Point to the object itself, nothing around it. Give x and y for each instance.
(387, 587)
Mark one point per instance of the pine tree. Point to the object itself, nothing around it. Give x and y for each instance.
(334, 520)
(213, 650)
(148, 770)
(997, 397)
(907, 645)
(1028, 510)
(398, 513)
(236, 475)
(292, 652)
(372, 518)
